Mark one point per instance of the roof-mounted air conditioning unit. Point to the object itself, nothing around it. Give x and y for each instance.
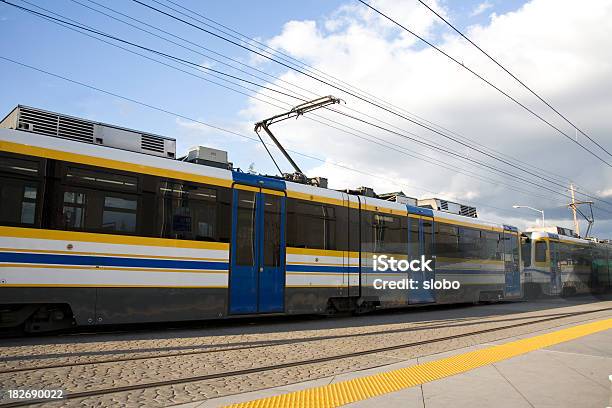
(448, 206)
(53, 124)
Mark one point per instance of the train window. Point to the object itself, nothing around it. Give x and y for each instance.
(17, 165)
(343, 229)
(119, 214)
(526, 251)
(96, 201)
(469, 243)
(245, 228)
(353, 230)
(97, 211)
(540, 251)
(490, 245)
(100, 179)
(224, 214)
(189, 211)
(565, 255)
(583, 256)
(28, 205)
(20, 190)
(446, 241)
(73, 211)
(365, 220)
(414, 243)
(512, 248)
(311, 225)
(272, 230)
(100, 200)
(388, 234)
(428, 238)
(18, 202)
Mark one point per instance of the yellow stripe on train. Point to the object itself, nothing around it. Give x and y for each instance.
(108, 238)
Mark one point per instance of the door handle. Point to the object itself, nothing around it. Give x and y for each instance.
(261, 269)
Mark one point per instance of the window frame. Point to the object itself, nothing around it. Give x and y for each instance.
(537, 244)
(26, 179)
(302, 219)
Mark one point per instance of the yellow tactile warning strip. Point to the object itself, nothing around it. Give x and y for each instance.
(362, 388)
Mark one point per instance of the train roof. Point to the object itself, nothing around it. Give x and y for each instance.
(564, 238)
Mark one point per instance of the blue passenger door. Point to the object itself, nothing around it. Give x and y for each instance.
(420, 243)
(271, 243)
(257, 274)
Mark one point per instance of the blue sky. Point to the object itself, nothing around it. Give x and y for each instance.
(59, 50)
(444, 99)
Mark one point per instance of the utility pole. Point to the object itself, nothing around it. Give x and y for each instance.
(575, 211)
(573, 208)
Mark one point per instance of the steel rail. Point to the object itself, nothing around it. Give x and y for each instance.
(154, 384)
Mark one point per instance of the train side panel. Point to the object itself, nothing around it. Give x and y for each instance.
(134, 280)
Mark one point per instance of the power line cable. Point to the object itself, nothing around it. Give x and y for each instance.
(458, 155)
(513, 76)
(151, 50)
(392, 146)
(188, 48)
(166, 111)
(199, 53)
(79, 25)
(255, 97)
(428, 159)
(340, 89)
(263, 46)
(542, 119)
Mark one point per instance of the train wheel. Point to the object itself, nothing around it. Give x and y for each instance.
(533, 291)
(49, 318)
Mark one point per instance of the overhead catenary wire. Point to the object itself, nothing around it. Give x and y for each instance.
(349, 93)
(288, 58)
(364, 122)
(229, 131)
(200, 46)
(91, 1)
(216, 60)
(458, 155)
(514, 76)
(257, 98)
(321, 119)
(79, 25)
(261, 46)
(151, 50)
(486, 81)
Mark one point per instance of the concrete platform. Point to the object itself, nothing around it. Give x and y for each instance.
(571, 374)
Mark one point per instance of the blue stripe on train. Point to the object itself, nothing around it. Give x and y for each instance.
(12, 257)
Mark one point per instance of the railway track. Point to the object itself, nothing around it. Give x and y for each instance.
(261, 369)
(255, 345)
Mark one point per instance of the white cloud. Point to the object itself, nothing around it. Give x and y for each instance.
(198, 134)
(481, 8)
(564, 52)
(605, 193)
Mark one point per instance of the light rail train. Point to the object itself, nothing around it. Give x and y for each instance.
(94, 235)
